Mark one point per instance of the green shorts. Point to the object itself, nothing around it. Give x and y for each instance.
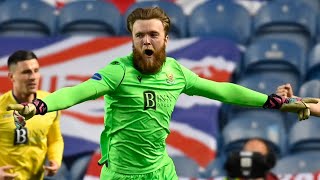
(167, 172)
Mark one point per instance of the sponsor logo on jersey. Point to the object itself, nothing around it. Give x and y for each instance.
(20, 136)
(96, 76)
(150, 101)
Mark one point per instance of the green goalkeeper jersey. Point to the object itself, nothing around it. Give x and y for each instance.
(138, 109)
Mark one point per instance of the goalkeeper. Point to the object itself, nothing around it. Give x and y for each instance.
(140, 92)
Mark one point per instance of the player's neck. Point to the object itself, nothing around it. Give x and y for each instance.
(20, 97)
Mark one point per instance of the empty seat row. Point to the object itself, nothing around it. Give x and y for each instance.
(273, 61)
(212, 18)
(36, 18)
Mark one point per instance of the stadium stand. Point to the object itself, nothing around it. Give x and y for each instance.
(318, 30)
(313, 64)
(275, 55)
(27, 19)
(95, 18)
(304, 136)
(238, 130)
(213, 18)
(215, 168)
(231, 112)
(267, 81)
(310, 88)
(303, 162)
(287, 20)
(315, 4)
(175, 12)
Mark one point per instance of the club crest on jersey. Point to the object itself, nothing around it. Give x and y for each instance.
(170, 78)
(96, 76)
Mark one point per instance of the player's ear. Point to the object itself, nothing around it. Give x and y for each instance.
(10, 76)
(166, 39)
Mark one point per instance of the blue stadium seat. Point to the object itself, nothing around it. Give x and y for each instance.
(27, 18)
(303, 162)
(234, 111)
(185, 167)
(275, 54)
(242, 128)
(79, 167)
(318, 29)
(313, 63)
(95, 18)
(304, 135)
(213, 18)
(174, 11)
(293, 21)
(215, 168)
(315, 4)
(310, 88)
(268, 81)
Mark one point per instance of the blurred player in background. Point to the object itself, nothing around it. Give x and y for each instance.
(23, 150)
(260, 158)
(140, 91)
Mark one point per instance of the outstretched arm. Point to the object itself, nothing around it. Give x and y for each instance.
(239, 95)
(69, 96)
(228, 93)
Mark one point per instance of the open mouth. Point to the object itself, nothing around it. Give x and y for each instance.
(148, 52)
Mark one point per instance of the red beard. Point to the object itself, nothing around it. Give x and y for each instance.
(149, 66)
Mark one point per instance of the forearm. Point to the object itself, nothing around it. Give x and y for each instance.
(229, 93)
(69, 96)
(55, 141)
(315, 109)
(55, 151)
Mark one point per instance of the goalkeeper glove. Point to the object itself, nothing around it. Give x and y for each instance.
(295, 105)
(19, 120)
(300, 107)
(27, 111)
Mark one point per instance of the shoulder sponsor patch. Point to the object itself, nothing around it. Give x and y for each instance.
(96, 76)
